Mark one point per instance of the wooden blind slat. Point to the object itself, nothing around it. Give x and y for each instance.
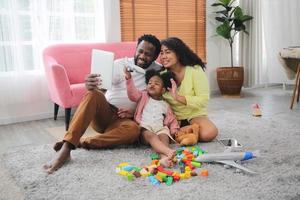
(126, 13)
(164, 18)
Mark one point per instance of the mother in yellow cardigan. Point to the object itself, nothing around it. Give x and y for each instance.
(189, 93)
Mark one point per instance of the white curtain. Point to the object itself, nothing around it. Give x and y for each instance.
(26, 28)
(276, 25)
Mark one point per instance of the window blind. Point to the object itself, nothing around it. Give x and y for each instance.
(165, 18)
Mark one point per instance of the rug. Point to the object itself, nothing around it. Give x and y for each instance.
(91, 174)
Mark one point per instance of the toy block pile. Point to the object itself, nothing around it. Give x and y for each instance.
(157, 174)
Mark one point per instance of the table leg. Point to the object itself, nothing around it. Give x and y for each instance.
(298, 86)
(296, 89)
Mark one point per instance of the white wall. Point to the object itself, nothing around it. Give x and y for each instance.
(217, 49)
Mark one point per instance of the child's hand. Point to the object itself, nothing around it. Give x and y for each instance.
(127, 73)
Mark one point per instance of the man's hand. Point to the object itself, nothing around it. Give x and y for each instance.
(92, 81)
(127, 73)
(125, 113)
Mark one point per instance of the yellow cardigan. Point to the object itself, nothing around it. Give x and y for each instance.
(194, 87)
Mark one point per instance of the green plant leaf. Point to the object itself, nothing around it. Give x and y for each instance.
(225, 2)
(246, 18)
(224, 12)
(238, 13)
(221, 19)
(230, 3)
(224, 30)
(218, 4)
(240, 27)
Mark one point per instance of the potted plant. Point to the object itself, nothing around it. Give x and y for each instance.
(231, 21)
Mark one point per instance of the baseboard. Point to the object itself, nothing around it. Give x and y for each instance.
(25, 118)
(216, 92)
(23, 112)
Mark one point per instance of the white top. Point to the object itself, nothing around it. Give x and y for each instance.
(117, 95)
(153, 114)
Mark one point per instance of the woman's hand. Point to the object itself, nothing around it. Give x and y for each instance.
(127, 73)
(173, 90)
(174, 93)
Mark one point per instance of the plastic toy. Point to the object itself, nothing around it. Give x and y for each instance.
(157, 174)
(256, 112)
(229, 158)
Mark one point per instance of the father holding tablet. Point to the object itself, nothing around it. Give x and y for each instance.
(111, 113)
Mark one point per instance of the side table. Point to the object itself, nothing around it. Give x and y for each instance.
(290, 60)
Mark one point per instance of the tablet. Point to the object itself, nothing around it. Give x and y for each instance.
(102, 63)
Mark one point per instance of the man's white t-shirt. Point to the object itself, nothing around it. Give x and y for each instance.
(117, 95)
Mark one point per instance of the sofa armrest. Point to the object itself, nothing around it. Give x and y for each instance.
(61, 83)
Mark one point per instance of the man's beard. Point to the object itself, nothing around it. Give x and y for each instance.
(144, 66)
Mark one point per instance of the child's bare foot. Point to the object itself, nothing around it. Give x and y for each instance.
(171, 154)
(166, 162)
(63, 155)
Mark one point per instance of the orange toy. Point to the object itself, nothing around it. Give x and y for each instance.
(188, 135)
(204, 172)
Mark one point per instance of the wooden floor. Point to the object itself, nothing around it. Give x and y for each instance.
(25, 133)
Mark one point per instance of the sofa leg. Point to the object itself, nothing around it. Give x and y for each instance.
(56, 107)
(67, 117)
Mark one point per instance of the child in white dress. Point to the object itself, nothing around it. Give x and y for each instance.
(153, 114)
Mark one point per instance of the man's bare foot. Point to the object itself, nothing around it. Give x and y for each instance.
(82, 144)
(57, 146)
(62, 156)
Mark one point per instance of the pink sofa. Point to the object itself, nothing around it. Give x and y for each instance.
(66, 66)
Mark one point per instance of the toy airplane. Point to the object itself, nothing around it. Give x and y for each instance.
(229, 158)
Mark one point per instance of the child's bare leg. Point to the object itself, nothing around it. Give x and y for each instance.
(62, 156)
(167, 159)
(159, 146)
(166, 140)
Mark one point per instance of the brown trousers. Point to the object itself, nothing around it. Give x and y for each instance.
(94, 110)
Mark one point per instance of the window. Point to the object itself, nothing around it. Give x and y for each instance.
(27, 26)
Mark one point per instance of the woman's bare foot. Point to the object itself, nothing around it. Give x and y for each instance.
(62, 156)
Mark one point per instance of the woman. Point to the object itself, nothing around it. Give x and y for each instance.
(189, 95)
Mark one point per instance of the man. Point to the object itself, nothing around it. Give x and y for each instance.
(108, 113)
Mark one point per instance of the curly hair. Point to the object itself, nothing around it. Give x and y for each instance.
(165, 77)
(153, 40)
(184, 54)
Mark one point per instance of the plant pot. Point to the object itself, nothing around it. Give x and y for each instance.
(230, 80)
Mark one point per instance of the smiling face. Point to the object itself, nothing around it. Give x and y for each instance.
(155, 87)
(168, 57)
(144, 54)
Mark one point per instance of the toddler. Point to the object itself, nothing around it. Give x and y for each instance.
(154, 115)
